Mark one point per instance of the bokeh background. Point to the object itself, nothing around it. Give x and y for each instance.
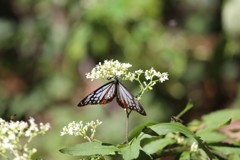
(47, 46)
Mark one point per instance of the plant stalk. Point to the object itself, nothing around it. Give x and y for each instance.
(127, 123)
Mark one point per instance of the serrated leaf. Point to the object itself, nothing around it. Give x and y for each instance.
(90, 148)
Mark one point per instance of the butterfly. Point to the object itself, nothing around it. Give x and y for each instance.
(108, 92)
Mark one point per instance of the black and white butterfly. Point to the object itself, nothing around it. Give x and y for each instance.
(108, 92)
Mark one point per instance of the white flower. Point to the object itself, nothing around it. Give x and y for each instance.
(13, 138)
(140, 71)
(163, 77)
(109, 69)
(62, 133)
(194, 147)
(4, 130)
(78, 129)
(44, 127)
(112, 69)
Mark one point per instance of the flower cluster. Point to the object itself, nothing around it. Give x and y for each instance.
(111, 69)
(16, 136)
(151, 78)
(194, 147)
(108, 69)
(150, 74)
(79, 129)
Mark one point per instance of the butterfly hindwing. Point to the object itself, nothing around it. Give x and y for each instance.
(126, 100)
(102, 95)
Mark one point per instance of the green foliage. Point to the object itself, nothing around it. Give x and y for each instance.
(131, 150)
(173, 139)
(90, 148)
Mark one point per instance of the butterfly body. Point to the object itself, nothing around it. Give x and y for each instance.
(108, 92)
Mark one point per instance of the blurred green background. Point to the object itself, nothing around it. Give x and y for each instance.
(47, 46)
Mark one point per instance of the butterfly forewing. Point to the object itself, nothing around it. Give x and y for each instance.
(102, 95)
(126, 100)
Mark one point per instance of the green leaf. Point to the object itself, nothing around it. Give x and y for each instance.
(212, 137)
(185, 156)
(164, 128)
(230, 153)
(144, 156)
(90, 148)
(156, 144)
(228, 150)
(131, 150)
(219, 118)
(137, 130)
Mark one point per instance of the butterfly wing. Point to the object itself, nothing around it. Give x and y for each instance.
(102, 95)
(126, 100)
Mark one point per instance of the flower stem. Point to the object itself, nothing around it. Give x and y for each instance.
(127, 123)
